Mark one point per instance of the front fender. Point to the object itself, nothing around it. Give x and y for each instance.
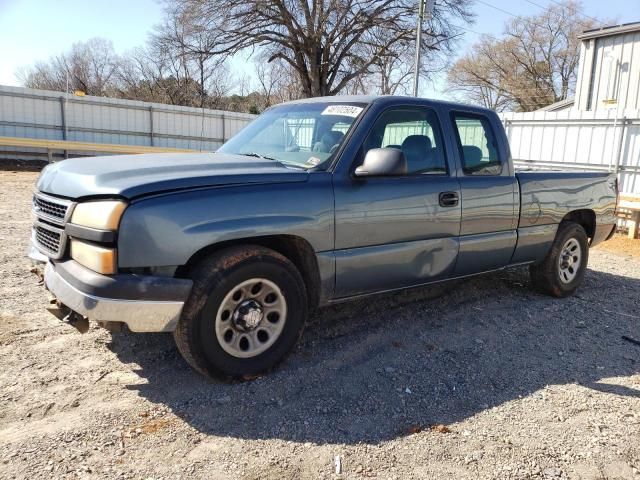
(167, 230)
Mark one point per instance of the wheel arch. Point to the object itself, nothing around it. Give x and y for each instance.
(298, 250)
(585, 218)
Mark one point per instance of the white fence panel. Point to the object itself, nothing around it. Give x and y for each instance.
(597, 140)
(56, 116)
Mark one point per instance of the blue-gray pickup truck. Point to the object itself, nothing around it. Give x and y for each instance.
(315, 202)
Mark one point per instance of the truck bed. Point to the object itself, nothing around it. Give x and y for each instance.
(547, 196)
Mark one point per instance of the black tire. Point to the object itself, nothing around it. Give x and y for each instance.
(548, 277)
(214, 279)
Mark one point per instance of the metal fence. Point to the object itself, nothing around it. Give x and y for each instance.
(603, 140)
(579, 140)
(50, 115)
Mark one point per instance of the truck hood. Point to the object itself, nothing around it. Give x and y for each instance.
(132, 176)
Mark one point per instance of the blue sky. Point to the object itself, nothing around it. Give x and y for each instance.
(32, 30)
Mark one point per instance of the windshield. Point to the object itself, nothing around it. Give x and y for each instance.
(303, 135)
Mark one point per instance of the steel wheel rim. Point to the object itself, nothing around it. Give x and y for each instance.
(239, 311)
(570, 260)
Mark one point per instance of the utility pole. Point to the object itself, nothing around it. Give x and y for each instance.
(425, 9)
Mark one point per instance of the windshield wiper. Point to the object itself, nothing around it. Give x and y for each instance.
(257, 155)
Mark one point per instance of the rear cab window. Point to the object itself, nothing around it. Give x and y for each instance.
(477, 144)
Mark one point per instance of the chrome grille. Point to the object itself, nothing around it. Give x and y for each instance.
(48, 239)
(51, 209)
(52, 214)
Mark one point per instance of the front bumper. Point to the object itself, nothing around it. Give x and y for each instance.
(144, 303)
(36, 257)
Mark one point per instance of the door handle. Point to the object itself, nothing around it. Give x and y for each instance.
(448, 199)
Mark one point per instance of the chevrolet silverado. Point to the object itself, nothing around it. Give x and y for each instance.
(315, 202)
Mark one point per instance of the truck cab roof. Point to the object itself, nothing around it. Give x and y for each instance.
(389, 100)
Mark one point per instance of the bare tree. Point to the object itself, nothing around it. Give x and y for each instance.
(533, 65)
(89, 66)
(304, 48)
(327, 43)
(159, 73)
(277, 82)
(163, 71)
(392, 73)
(141, 77)
(482, 81)
(190, 47)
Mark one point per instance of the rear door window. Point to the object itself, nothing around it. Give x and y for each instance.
(477, 145)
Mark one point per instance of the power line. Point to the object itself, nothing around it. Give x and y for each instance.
(479, 33)
(499, 9)
(576, 10)
(521, 17)
(489, 35)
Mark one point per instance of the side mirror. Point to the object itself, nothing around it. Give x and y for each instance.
(379, 162)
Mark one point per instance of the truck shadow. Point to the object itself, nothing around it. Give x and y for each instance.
(379, 368)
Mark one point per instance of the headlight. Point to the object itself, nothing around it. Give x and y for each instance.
(104, 214)
(99, 259)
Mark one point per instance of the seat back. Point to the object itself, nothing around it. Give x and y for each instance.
(418, 152)
(328, 141)
(472, 156)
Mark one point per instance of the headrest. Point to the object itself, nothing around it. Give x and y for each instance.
(332, 138)
(417, 143)
(472, 155)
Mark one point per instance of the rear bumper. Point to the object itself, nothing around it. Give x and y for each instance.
(144, 303)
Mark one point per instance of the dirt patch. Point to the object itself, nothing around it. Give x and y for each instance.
(486, 380)
(151, 426)
(622, 245)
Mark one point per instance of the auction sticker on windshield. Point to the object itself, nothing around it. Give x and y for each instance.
(346, 110)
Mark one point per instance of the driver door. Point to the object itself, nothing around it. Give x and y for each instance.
(398, 231)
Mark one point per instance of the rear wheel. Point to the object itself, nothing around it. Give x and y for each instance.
(562, 271)
(245, 312)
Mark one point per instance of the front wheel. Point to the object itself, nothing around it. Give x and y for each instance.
(246, 311)
(562, 271)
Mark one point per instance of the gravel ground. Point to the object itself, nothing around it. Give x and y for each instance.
(485, 380)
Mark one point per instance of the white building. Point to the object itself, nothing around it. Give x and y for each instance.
(598, 129)
(609, 68)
